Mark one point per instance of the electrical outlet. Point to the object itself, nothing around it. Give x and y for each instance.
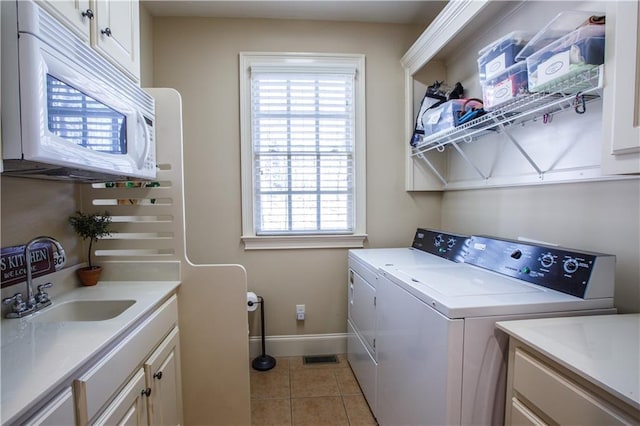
(300, 312)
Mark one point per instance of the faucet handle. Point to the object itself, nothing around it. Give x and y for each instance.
(42, 296)
(19, 305)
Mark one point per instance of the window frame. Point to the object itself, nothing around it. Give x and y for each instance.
(302, 61)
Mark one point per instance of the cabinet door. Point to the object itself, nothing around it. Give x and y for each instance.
(621, 153)
(162, 371)
(362, 310)
(70, 14)
(116, 34)
(559, 397)
(130, 405)
(59, 411)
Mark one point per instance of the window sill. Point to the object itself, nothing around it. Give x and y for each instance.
(303, 242)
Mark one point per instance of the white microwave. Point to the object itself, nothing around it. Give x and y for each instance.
(67, 113)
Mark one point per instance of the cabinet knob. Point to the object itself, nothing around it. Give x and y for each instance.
(158, 375)
(146, 392)
(88, 14)
(106, 31)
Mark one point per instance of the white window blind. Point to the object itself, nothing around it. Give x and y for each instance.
(302, 131)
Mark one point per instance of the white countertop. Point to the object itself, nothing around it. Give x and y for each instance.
(38, 357)
(603, 349)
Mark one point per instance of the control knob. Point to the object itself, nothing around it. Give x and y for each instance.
(570, 265)
(438, 241)
(451, 242)
(546, 260)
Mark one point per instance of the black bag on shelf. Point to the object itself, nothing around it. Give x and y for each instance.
(436, 94)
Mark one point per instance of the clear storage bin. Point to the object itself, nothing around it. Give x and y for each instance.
(446, 116)
(561, 25)
(501, 54)
(505, 87)
(579, 51)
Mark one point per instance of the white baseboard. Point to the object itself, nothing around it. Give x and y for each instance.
(296, 345)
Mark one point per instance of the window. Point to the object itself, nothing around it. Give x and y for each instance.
(303, 150)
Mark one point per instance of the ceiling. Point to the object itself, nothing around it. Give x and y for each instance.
(398, 11)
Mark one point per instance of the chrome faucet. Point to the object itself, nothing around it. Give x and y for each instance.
(34, 302)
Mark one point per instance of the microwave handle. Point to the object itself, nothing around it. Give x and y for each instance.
(147, 141)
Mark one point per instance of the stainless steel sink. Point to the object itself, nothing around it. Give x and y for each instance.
(84, 310)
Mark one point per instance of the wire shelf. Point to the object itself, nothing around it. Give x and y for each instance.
(563, 95)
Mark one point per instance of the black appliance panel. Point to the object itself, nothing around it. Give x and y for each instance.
(559, 269)
(448, 246)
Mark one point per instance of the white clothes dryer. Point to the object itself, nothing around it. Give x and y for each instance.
(430, 248)
(440, 359)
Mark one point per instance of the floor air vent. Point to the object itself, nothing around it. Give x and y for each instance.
(320, 359)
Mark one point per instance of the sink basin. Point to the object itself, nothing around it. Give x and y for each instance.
(84, 310)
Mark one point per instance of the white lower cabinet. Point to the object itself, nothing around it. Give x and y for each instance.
(59, 411)
(129, 406)
(138, 381)
(162, 373)
(540, 392)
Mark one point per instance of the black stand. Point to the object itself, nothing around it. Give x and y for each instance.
(263, 362)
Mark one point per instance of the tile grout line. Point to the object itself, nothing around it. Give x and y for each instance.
(344, 406)
(290, 393)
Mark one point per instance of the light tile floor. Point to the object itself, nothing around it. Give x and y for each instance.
(293, 393)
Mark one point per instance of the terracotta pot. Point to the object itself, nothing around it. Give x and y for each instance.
(89, 276)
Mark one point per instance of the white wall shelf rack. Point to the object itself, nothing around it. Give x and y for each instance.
(570, 94)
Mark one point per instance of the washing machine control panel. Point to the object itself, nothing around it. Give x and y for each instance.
(560, 269)
(447, 246)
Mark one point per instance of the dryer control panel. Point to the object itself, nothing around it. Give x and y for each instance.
(581, 274)
(448, 246)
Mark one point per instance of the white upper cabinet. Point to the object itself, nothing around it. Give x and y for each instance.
(621, 148)
(74, 14)
(112, 27)
(116, 33)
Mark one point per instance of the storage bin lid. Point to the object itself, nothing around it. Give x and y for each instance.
(582, 33)
(515, 37)
(564, 23)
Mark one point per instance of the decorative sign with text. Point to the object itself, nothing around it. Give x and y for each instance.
(44, 260)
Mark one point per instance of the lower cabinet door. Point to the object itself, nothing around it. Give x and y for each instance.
(522, 416)
(59, 411)
(162, 371)
(130, 405)
(363, 365)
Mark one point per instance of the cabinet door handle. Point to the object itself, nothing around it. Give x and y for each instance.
(158, 375)
(106, 31)
(146, 392)
(88, 14)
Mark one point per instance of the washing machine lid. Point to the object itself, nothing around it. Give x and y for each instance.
(468, 291)
(406, 256)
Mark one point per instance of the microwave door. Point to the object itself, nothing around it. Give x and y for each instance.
(71, 119)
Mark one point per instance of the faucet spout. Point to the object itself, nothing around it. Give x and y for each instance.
(31, 300)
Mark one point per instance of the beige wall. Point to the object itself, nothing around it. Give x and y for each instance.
(199, 57)
(599, 216)
(146, 48)
(32, 207)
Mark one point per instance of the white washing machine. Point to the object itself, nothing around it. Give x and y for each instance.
(440, 359)
(430, 248)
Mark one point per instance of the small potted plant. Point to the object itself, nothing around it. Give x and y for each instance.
(92, 227)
